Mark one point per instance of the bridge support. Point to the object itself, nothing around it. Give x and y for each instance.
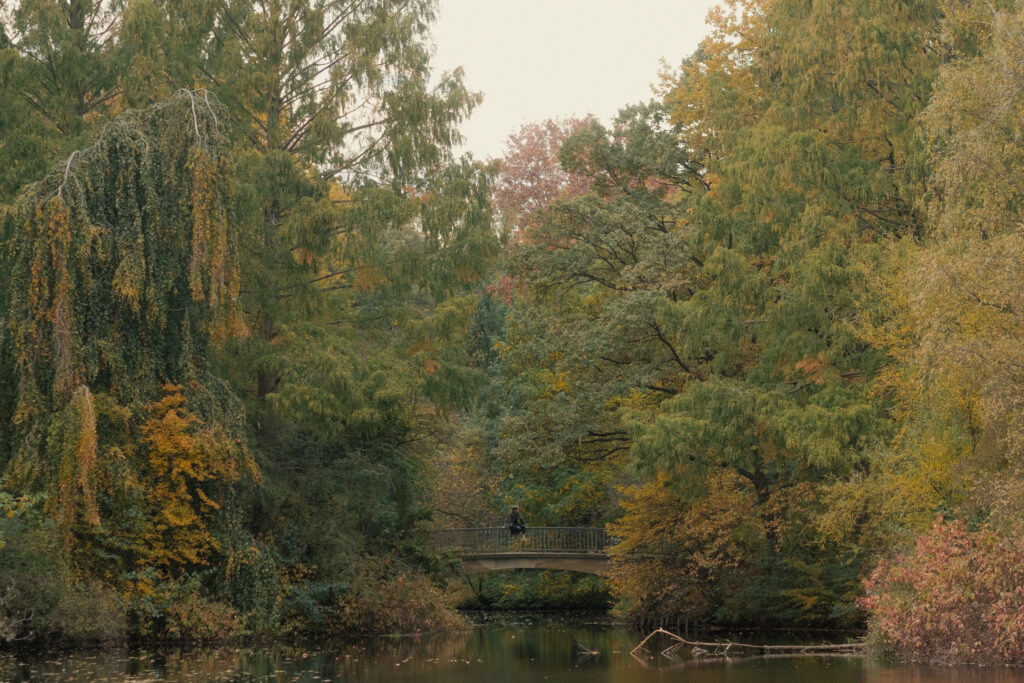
(588, 563)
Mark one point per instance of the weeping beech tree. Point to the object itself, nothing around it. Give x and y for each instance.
(121, 274)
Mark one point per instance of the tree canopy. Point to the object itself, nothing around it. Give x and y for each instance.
(262, 331)
(235, 314)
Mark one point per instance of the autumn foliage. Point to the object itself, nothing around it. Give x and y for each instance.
(696, 544)
(783, 310)
(273, 262)
(386, 598)
(531, 176)
(958, 596)
(762, 327)
(182, 460)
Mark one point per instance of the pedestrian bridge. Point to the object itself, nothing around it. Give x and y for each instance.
(579, 549)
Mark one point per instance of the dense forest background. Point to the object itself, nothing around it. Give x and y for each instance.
(263, 332)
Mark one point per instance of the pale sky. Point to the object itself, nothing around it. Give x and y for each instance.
(535, 59)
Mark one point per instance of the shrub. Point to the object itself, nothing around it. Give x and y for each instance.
(958, 597)
(88, 614)
(385, 599)
(309, 607)
(162, 609)
(38, 600)
(252, 583)
(196, 617)
(30, 584)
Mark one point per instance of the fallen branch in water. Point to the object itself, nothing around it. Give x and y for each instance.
(721, 649)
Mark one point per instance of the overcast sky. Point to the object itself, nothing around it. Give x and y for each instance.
(535, 59)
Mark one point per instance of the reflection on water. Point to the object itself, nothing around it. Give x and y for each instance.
(530, 649)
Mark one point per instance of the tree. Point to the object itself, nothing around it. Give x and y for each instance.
(363, 241)
(59, 75)
(709, 290)
(953, 293)
(305, 272)
(531, 176)
(68, 67)
(815, 161)
(336, 90)
(954, 598)
(122, 277)
(584, 344)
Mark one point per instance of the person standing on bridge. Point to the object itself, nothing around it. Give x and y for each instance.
(514, 522)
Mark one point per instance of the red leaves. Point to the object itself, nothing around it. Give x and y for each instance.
(531, 175)
(504, 288)
(959, 597)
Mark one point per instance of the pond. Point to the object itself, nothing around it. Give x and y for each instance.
(530, 648)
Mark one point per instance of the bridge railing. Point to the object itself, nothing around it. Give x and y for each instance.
(554, 539)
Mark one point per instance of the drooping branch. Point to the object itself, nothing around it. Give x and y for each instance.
(81, 259)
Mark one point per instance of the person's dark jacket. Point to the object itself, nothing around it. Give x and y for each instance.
(515, 522)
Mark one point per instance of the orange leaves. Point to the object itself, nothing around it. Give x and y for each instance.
(181, 453)
(167, 430)
(426, 349)
(72, 439)
(213, 273)
(85, 454)
(303, 256)
(813, 367)
(504, 288)
(369, 277)
(50, 290)
(554, 382)
(424, 345)
(665, 535)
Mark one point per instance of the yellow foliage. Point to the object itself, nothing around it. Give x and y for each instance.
(303, 256)
(369, 278)
(672, 549)
(554, 382)
(213, 275)
(949, 302)
(736, 29)
(85, 454)
(183, 458)
(424, 345)
(336, 193)
(813, 367)
(72, 439)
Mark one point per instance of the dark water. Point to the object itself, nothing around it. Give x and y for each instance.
(532, 649)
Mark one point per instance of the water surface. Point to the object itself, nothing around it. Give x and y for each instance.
(528, 649)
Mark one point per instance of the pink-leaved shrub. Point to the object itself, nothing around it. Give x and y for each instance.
(957, 598)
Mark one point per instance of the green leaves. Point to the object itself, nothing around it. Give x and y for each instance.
(702, 304)
(125, 239)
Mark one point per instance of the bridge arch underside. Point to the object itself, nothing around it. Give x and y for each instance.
(588, 563)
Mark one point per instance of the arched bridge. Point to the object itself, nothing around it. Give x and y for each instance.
(580, 549)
